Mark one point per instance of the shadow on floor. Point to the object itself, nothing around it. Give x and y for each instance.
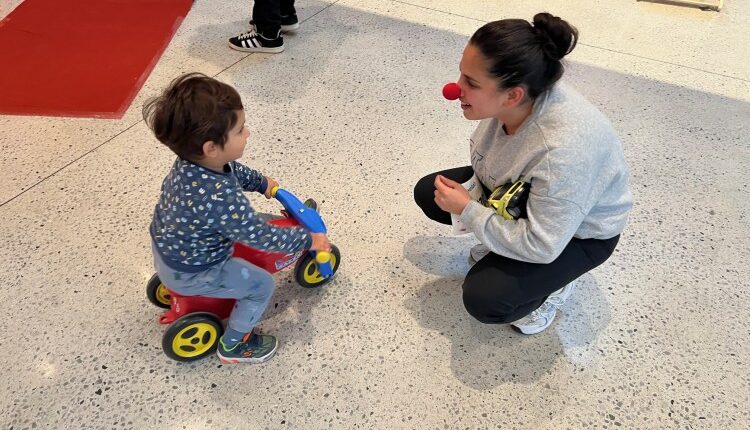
(485, 356)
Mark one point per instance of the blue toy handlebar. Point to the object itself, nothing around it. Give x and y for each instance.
(311, 220)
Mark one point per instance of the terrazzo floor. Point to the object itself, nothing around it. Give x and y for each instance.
(351, 114)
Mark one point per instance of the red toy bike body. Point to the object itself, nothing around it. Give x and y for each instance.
(271, 262)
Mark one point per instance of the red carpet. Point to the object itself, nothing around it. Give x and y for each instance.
(83, 58)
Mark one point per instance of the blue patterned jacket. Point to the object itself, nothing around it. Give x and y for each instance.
(201, 213)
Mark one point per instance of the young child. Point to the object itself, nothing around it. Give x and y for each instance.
(202, 210)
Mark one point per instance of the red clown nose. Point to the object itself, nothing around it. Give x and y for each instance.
(451, 91)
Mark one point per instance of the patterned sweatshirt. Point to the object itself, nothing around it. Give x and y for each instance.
(201, 213)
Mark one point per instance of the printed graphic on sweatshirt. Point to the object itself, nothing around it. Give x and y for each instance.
(480, 169)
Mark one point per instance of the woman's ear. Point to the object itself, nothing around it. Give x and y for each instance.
(516, 96)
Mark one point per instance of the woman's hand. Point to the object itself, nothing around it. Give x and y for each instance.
(320, 242)
(450, 196)
(271, 184)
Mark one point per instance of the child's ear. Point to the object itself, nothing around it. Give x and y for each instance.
(210, 149)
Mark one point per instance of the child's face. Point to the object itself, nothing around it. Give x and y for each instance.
(480, 96)
(236, 139)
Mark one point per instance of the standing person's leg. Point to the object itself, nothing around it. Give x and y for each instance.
(499, 290)
(424, 192)
(267, 17)
(265, 34)
(289, 20)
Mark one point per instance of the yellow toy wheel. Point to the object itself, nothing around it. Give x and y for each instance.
(306, 271)
(157, 292)
(192, 337)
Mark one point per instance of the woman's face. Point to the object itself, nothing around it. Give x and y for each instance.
(480, 96)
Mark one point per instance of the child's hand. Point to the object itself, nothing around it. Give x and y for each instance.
(320, 242)
(271, 183)
(450, 196)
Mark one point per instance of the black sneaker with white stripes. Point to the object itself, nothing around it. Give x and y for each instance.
(252, 41)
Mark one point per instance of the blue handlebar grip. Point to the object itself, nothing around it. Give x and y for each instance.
(325, 267)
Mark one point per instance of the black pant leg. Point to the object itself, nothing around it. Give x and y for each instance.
(502, 290)
(287, 8)
(267, 17)
(424, 192)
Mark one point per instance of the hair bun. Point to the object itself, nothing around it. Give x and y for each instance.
(558, 37)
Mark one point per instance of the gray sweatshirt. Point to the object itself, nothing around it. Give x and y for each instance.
(573, 159)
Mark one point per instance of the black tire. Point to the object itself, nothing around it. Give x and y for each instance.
(306, 270)
(192, 337)
(157, 293)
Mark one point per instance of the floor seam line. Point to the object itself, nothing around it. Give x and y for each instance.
(69, 164)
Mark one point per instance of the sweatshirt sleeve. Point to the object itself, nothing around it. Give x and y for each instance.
(540, 238)
(235, 219)
(250, 179)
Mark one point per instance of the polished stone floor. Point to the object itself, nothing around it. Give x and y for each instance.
(351, 114)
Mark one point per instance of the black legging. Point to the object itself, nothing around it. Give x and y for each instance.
(502, 290)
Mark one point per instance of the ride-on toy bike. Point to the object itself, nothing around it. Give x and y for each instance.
(196, 321)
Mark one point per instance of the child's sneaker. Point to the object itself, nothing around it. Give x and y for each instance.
(254, 348)
(289, 24)
(537, 321)
(252, 41)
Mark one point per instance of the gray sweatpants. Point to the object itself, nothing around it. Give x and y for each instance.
(234, 278)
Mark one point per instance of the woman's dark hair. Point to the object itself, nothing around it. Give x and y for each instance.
(526, 54)
(191, 111)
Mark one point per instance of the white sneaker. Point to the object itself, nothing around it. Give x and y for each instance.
(560, 296)
(537, 321)
(540, 319)
(477, 252)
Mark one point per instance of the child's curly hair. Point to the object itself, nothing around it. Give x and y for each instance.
(194, 109)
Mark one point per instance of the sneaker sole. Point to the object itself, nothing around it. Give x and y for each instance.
(275, 50)
(251, 360)
(530, 332)
(291, 28)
